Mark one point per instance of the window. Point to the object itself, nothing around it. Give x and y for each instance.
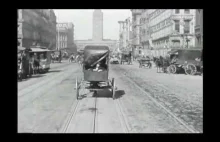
(177, 25)
(186, 11)
(167, 21)
(158, 26)
(163, 23)
(177, 11)
(187, 27)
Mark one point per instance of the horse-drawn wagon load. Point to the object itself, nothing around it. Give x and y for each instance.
(145, 62)
(126, 57)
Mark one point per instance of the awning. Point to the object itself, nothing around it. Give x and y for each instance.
(172, 52)
(39, 50)
(21, 48)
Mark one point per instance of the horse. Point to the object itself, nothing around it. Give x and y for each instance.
(158, 63)
(165, 64)
(71, 59)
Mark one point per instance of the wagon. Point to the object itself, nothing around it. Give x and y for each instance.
(126, 57)
(188, 60)
(95, 71)
(144, 62)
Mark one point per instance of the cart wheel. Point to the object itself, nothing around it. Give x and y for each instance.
(113, 88)
(77, 89)
(190, 69)
(172, 69)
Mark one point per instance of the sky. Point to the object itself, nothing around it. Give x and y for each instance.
(82, 20)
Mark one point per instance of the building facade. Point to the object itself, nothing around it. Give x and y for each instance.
(65, 36)
(125, 34)
(97, 35)
(135, 38)
(162, 29)
(36, 27)
(199, 28)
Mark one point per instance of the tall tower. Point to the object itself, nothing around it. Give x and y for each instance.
(97, 25)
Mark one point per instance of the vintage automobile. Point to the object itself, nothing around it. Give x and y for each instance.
(44, 57)
(57, 56)
(188, 60)
(114, 60)
(96, 70)
(145, 62)
(126, 57)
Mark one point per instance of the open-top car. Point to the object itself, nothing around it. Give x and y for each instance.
(96, 70)
(189, 60)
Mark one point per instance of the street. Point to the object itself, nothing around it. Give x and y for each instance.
(146, 102)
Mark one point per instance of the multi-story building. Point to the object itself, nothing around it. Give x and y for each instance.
(167, 28)
(36, 27)
(136, 16)
(65, 37)
(125, 34)
(199, 28)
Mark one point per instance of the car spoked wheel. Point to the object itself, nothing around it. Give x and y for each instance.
(172, 69)
(77, 89)
(113, 88)
(190, 69)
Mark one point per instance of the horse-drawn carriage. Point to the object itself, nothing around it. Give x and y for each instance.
(145, 62)
(126, 57)
(188, 60)
(57, 56)
(96, 71)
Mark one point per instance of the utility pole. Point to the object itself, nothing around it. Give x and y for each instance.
(58, 36)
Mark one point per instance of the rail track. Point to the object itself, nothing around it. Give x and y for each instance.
(187, 127)
(73, 112)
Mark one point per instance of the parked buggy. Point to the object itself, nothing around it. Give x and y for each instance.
(188, 60)
(57, 56)
(96, 71)
(126, 57)
(145, 62)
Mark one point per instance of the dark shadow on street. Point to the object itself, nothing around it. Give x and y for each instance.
(37, 76)
(119, 94)
(107, 93)
(33, 76)
(54, 71)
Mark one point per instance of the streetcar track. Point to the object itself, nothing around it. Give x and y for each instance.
(95, 124)
(72, 116)
(72, 113)
(122, 118)
(189, 128)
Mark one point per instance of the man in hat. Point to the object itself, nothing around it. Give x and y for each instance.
(36, 63)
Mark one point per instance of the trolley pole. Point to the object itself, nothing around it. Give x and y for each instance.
(58, 36)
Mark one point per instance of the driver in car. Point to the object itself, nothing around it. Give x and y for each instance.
(98, 68)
